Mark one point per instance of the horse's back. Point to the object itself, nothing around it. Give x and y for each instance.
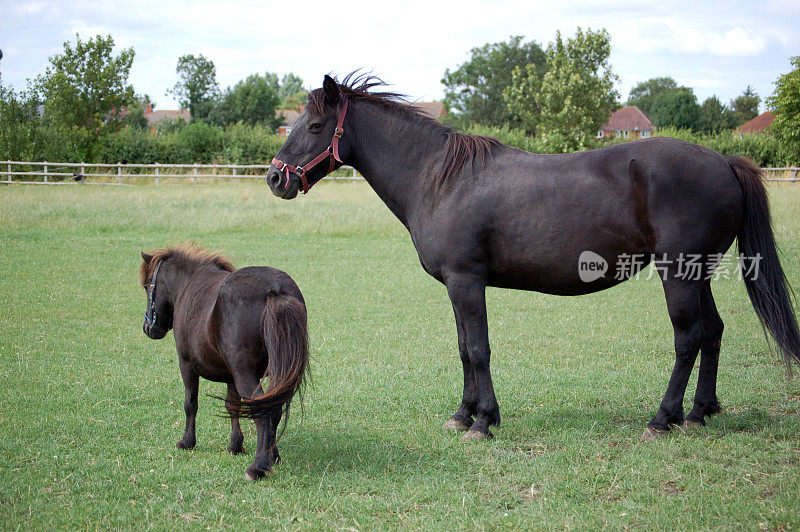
(530, 217)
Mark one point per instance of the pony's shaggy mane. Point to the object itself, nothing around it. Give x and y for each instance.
(460, 148)
(184, 256)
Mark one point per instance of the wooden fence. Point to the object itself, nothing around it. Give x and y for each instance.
(49, 173)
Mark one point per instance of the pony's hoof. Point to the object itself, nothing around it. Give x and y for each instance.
(235, 450)
(456, 425)
(651, 434)
(476, 435)
(253, 474)
(185, 445)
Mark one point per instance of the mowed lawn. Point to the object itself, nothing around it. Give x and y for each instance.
(91, 409)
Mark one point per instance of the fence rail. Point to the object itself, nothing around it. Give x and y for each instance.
(113, 174)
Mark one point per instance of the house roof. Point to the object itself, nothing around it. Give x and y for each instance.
(433, 109)
(757, 124)
(629, 118)
(290, 116)
(155, 117)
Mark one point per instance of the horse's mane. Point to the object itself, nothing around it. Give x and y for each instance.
(184, 256)
(460, 147)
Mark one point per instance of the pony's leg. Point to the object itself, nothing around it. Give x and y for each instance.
(462, 419)
(247, 385)
(467, 293)
(237, 438)
(705, 399)
(683, 304)
(191, 383)
(274, 455)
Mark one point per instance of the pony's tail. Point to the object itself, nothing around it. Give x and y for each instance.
(764, 278)
(285, 334)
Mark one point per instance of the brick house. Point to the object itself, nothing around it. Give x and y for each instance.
(754, 126)
(627, 123)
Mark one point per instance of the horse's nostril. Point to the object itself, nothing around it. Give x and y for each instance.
(274, 179)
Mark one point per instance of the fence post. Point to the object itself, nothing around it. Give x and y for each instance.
(9, 172)
(83, 174)
(194, 172)
(156, 174)
(234, 173)
(119, 173)
(45, 171)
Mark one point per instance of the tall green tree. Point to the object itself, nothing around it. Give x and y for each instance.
(576, 96)
(644, 94)
(676, 108)
(252, 100)
(197, 88)
(785, 104)
(84, 88)
(291, 91)
(474, 91)
(715, 117)
(745, 106)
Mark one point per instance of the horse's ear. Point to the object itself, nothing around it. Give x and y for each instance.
(146, 258)
(331, 89)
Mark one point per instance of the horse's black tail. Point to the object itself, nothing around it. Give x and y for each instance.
(764, 278)
(285, 334)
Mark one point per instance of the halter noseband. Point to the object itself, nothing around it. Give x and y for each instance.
(151, 314)
(331, 152)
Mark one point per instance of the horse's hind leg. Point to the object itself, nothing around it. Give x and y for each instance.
(462, 419)
(705, 399)
(191, 383)
(683, 304)
(232, 404)
(247, 385)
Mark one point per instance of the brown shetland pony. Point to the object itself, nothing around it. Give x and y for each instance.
(232, 326)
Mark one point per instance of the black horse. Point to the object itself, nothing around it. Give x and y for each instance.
(232, 326)
(481, 213)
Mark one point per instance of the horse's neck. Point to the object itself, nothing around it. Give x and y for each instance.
(396, 155)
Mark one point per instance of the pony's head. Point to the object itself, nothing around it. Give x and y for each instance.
(158, 314)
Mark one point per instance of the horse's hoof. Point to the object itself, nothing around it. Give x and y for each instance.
(236, 450)
(476, 435)
(454, 424)
(651, 433)
(688, 426)
(184, 445)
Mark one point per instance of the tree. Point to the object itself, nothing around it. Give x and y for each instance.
(676, 108)
(745, 106)
(19, 120)
(475, 89)
(197, 89)
(291, 91)
(576, 96)
(85, 87)
(137, 108)
(643, 95)
(252, 101)
(785, 104)
(715, 117)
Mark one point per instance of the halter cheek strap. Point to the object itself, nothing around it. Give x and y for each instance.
(331, 153)
(151, 314)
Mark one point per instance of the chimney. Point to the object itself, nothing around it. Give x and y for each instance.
(148, 109)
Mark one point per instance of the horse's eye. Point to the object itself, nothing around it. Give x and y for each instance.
(315, 127)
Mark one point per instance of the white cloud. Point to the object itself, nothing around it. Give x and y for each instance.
(30, 8)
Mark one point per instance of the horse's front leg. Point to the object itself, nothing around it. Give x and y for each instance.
(462, 419)
(232, 404)
(468, 294)
(191, 383)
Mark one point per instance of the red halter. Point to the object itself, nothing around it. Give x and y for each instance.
(331, 152)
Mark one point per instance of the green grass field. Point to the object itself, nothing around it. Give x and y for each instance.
(91, 409)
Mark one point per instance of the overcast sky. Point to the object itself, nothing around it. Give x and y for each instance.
(716, 48)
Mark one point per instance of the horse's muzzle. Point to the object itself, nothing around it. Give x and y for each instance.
(154, 331)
